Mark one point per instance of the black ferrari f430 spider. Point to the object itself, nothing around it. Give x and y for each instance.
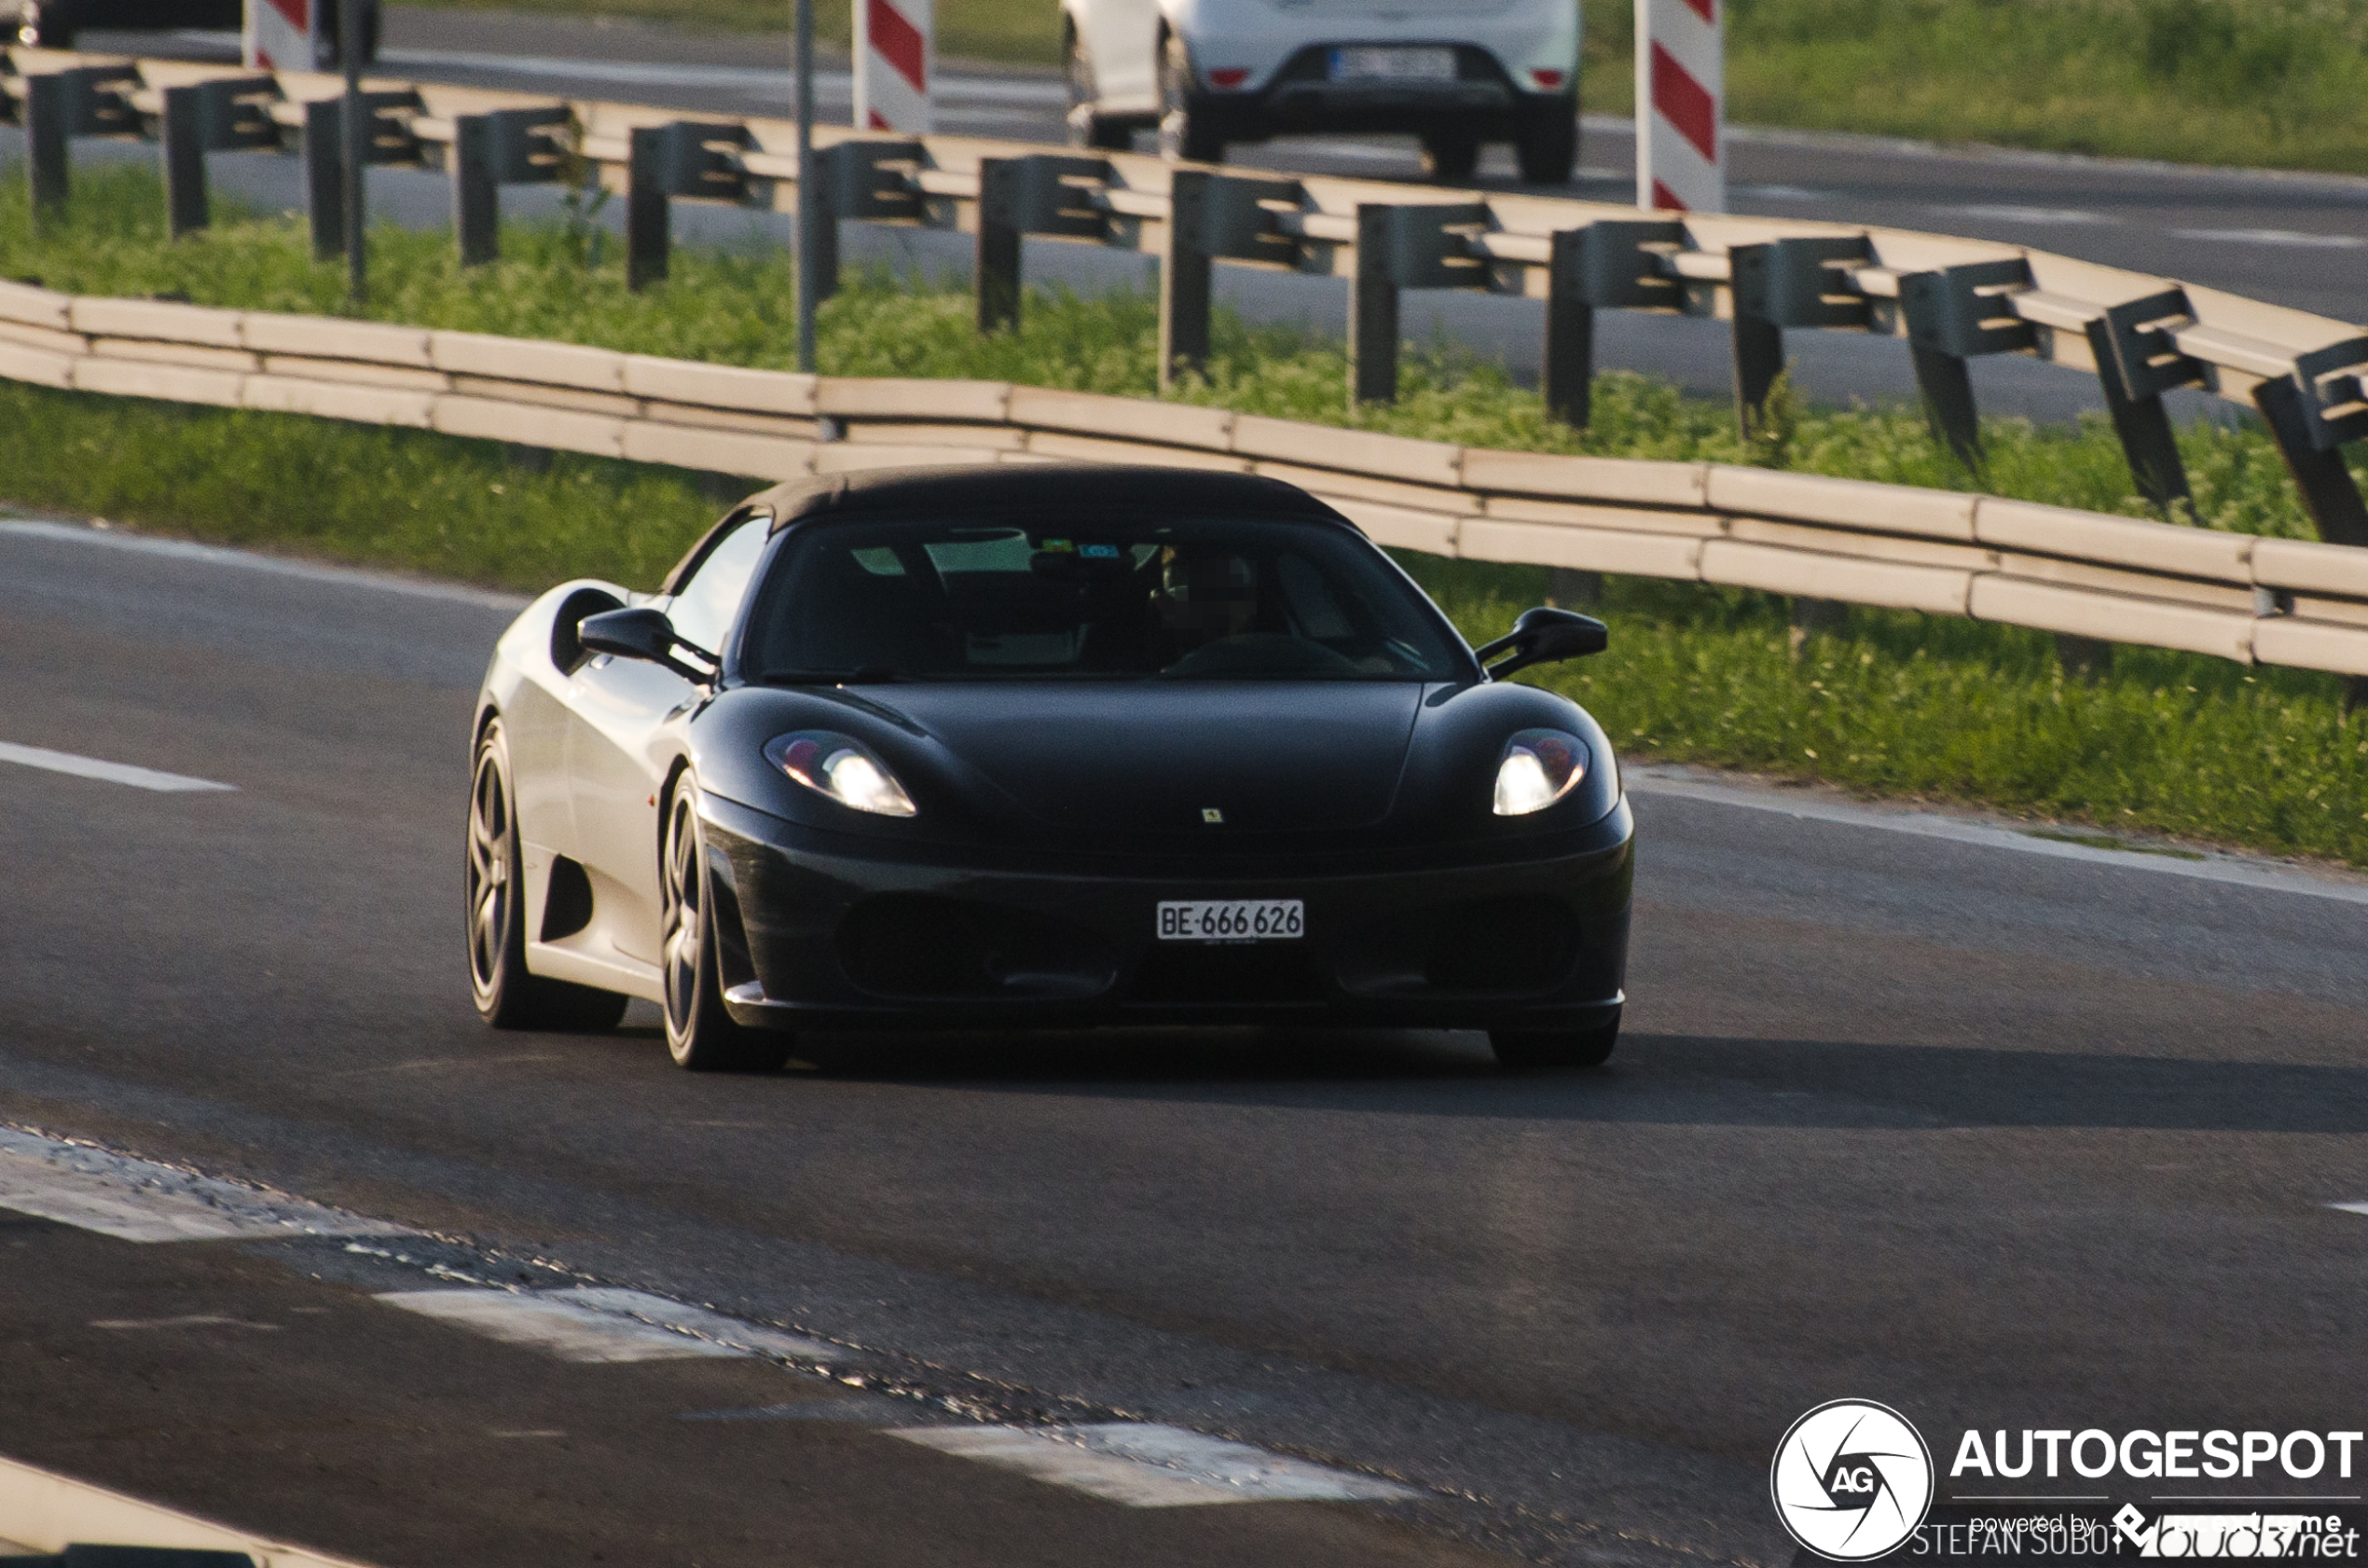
(1023, 747)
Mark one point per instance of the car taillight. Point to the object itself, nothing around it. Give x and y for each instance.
(1549, 80)
(1228, 76)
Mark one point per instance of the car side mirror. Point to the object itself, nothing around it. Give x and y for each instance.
(1542, 635)
(645, 634)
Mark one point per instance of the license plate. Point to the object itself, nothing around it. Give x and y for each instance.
(1393, 65)
(1232, 920)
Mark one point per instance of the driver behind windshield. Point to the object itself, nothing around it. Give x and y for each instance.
(914, 599)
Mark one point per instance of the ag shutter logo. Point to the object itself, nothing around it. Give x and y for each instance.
(1852, 1480)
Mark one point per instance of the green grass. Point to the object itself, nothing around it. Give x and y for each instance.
(2273, 83)
(1890, 702)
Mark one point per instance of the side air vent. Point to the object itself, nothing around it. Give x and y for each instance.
(567, 904)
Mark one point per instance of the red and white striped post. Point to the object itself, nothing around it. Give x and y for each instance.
(895, 58)
(1681, 106)
(278, 35)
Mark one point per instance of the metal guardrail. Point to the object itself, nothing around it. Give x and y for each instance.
(1950, 299)
(2075, 573)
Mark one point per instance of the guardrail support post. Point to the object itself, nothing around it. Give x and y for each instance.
(1604, 266)
(857, 179)
(2312, 413)
(1188, 277)
(665, 162)
(1953, 315)
(1023, 196)
(648, 229)
(997, 265)
(1210, 215)
(1374, 332)
(181, 133)
(324, 177)
(44, 133)
(476, 200)
(1787, 283)
(1398, 247)
(2137, 362)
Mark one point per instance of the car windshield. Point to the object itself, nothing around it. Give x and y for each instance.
(1238, 599)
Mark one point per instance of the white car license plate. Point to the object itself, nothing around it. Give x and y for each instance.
(1232, 920)
(1393, 65)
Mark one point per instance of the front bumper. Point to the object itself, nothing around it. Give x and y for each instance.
(828, 930)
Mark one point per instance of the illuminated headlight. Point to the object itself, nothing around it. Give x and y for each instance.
(833, 765)
(1540, 767)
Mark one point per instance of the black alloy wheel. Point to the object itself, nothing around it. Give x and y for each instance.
(1188, 129)
(1450, 157)
(506, 996)
(700, 1034)
(1547, 143)
(1561, 1050)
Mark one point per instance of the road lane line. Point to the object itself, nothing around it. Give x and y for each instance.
(951, 89)
(1145, 1465)
(2351, 1208)
(112, 772)
(2286, 236)
(1646, 778)
(570, 1332)
(135, 1201)
(2008, 213)
(593, 1324)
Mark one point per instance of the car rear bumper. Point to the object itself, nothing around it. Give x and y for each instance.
(815, 932)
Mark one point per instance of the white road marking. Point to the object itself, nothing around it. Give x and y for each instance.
(2023, 214)
(2351, 1208)
(730, 1332)
(112, 772)
(1652, 779)
(601, 1325)
(200, 1320)
(950, 90)
(2286, 236)
(215, 555)
(135, 1201)
(1151, 1467)
(539, 1322)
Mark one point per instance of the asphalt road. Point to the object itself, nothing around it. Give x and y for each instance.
(2293, 240)
(2001, 1131)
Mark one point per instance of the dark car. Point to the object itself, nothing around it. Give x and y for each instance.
(54, 24)
(1041, 745)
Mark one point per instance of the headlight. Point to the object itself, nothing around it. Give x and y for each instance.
(833, 765)
(1539, 767)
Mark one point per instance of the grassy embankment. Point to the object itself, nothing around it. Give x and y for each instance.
(2275, 83)
(1890, 702)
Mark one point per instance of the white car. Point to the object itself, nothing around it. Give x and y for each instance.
(1454, 73)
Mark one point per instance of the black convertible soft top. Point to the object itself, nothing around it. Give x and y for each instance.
(1037, 487)
(1044, 489)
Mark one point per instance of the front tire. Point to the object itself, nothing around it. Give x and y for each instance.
(700, 1034)
(1554, 1050)
(506, 996)
(1187, 121)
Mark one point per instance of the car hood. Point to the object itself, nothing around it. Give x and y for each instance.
(1157, 757)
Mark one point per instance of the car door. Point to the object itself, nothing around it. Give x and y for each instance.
(613, 768)
(1122, 38)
